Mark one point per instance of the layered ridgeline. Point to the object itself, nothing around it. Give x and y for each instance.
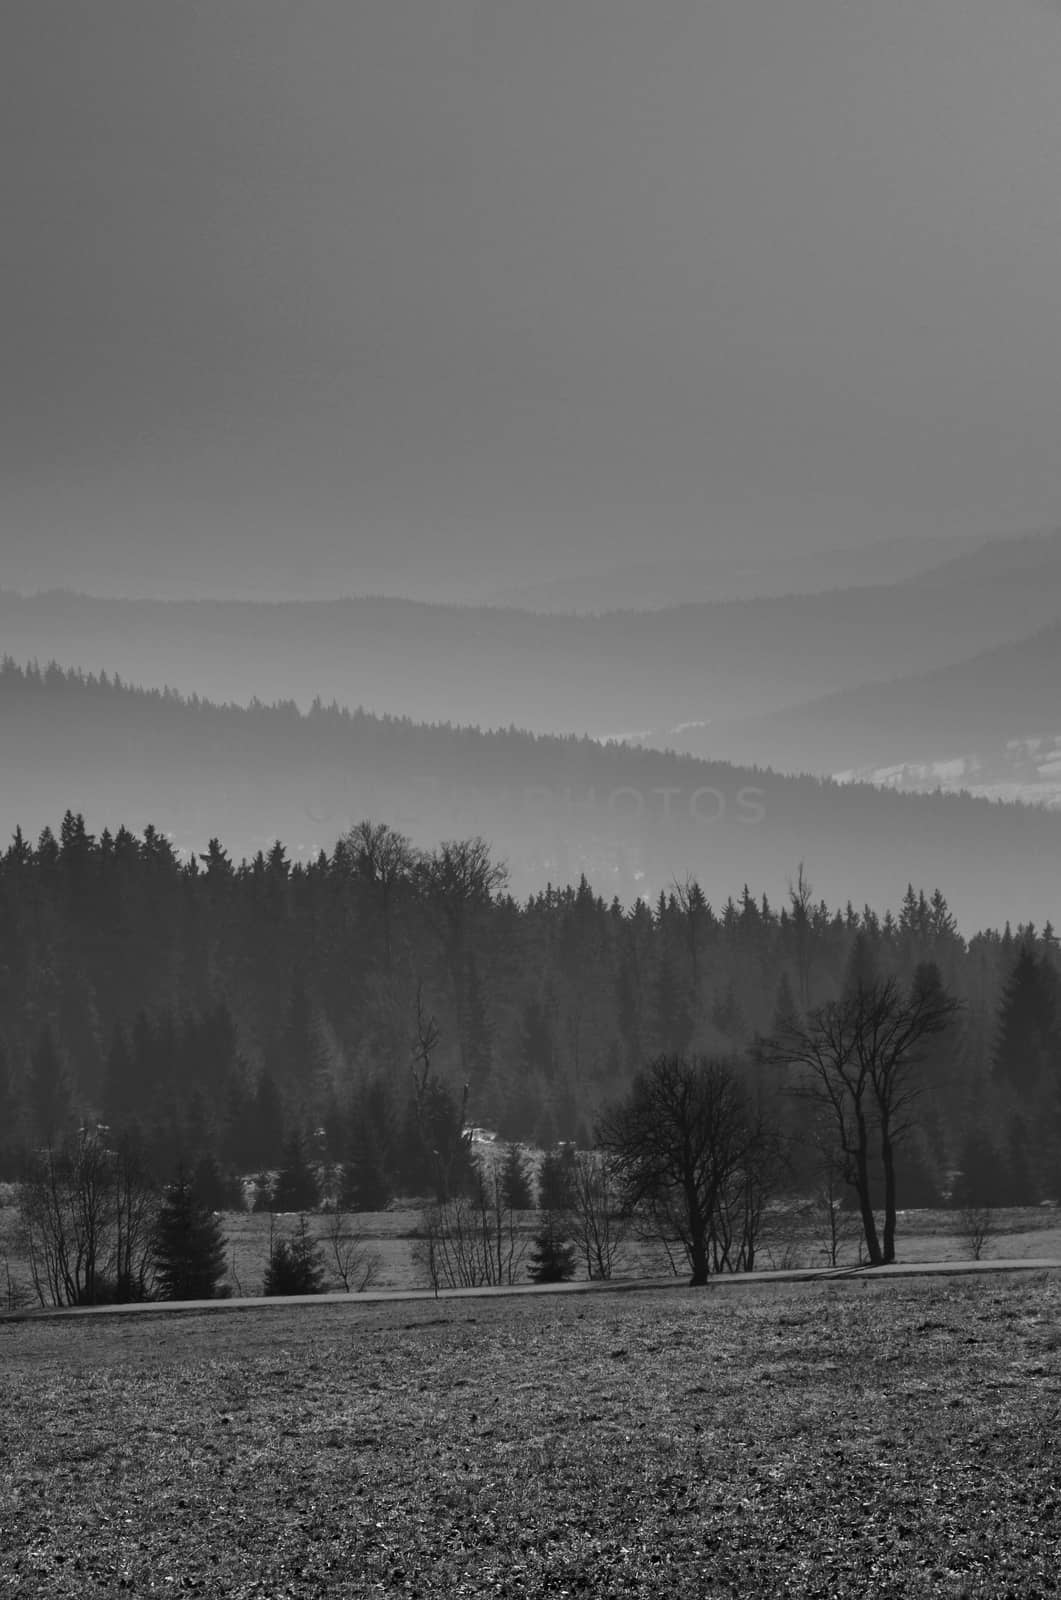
(645, 673)
(992, 723)
(632, 820)
(666, 580)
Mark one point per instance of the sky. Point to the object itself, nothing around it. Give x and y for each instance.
(357, 294)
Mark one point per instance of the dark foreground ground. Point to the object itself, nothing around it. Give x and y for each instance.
(843, 1438)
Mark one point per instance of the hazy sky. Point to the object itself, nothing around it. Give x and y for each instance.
(327, 289)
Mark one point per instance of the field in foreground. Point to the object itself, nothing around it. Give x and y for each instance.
(843, 1439)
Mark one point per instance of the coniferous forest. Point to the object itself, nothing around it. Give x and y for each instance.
(364, 1007)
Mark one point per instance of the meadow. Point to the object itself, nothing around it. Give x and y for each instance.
(795, 1236)
(840, 1438)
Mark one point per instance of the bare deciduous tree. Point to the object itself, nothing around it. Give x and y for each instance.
(87, 1222)
(473, 1240)
(457, 882)
(838, 1225)
(386, 859)
(355, 1265)
(596, 1223)
(679, 1143)
(859, 1058)
(740, 1211)
(976, 1225)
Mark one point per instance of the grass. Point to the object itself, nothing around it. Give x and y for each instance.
(793, 1239)
(837, 1439)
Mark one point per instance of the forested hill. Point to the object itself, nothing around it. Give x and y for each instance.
(975, 709)
(632, 820)
(217, 1011)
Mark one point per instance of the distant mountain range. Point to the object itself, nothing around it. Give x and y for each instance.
(631, 819)
(651, 585)
(640, 673)
(991, 725)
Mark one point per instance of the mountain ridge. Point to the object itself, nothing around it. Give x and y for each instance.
(1001, 696)
(631, 820)
(697, 662)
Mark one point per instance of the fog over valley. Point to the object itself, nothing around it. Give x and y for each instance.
(632, 820)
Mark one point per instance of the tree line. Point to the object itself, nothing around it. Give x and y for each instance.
(370, 1005)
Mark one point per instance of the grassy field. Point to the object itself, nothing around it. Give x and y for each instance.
(840, 1439)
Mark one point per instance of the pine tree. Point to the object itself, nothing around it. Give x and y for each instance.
(555, 1191)
(786, 1011)
(727, 1013)
(1027, 1040)
(536, 1046)
(862, 970)
(189, 1245)
(365, 1184)
(476, 1040)
(552, 1258)
(49, 1089)
(516, 1189)
(220, 1190)
(121, 1080)
(295, 1265)
(267, 1121)
(296, 1188)
(300, 1058)
(672, 1021)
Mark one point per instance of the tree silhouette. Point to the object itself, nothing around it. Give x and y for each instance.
(858, 1059)
(189, 1245)
(676, 1143)
(552, 1256)
(516, 1187)
(1027, 1043)
(295, 1265)
(297, 1187)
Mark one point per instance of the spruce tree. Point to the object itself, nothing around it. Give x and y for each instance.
(1027, 1039)
(220, 1190)
(786, 1012)
(48, 1089)
(516, 1188)
(672, 1019)
(297, 1188)
(295, 1265)
(555, 1185)
(552, 1258)
(189, 1245)
(364, 1184)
